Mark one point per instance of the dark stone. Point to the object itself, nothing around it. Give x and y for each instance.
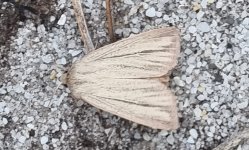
(218, 78)
(229, 45)
(212, 66)
(230, 20)
(32, 132)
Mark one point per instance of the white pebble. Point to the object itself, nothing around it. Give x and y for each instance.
(54, 140)
(201, 97)
(193, 133)
(245, 22)
(219, 4)
(44, 139)
(129, 2)
(64, 126)
(204, 3)
(62, 61)
(22, 139)
(212, 129)
(146, 137)
(18, 89)
(242, 105)
(135, 30)
(210, 134)
(79, 103)
(191, 140)
(190, 69)
(41, 29)
(163, 133)
(151, 12)
(203, 27)
(7, 110)
(3, 91)
(188, 51)
(178, 81)
(19, 41)
(47, 58)
(159, 14)
(134, 20)
(186, 103)
(197, 112)
(43, 67)
(118, 31)
(71, 44)
(52, 18)
(145, 5)
(15, 119)
(31, 126)
(5, 121)
(188, 80)
(165, 17)
(200, 15)
(192, 29)
(62, 20)
(214, 104)
(137, 136)
(236, 56)
(29, 119)
(75, 52)
(170, 139)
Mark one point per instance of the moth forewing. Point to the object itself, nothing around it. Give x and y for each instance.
(129, 78)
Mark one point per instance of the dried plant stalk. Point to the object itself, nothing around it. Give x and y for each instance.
(129, 78)
(109, 20)
(82, 25)
(234, 141)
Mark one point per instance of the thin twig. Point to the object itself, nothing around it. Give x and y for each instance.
(109, 20)
(82, 25)
(234, 140)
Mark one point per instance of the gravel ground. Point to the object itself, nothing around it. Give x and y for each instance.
(211, 79)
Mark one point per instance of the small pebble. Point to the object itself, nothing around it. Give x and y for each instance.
(47, 58)
(64, 126)
(137, 136)
(22, 139)
(151, 12)
(243, 105)
(129, 2)
(170, 139)
(192, 29)
(75, 52)
(214, 104)
(193, 133)
(197, 112)
(166, 17)
(191, 140)
(44, 139)
(159, 14)
(201, 97)
(178, 81)
(62, 20)
(219, 4)
(146, 137)
(203, 27)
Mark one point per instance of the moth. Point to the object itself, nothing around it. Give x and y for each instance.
(129, 78)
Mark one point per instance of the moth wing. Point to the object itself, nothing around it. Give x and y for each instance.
(124, 78)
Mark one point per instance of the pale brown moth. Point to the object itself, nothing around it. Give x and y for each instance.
(129, 78)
